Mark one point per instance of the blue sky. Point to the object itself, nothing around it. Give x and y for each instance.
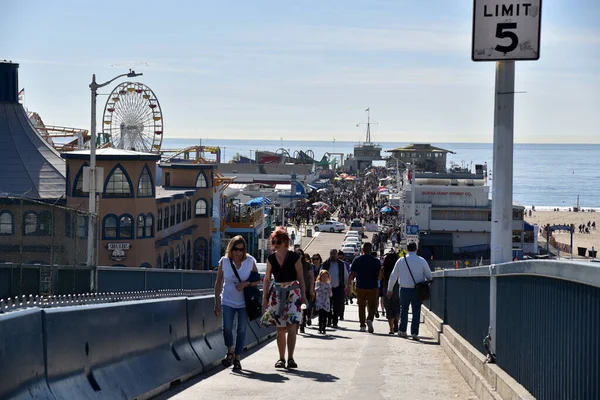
(306, 70)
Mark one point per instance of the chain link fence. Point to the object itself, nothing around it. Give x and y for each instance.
(40, 242)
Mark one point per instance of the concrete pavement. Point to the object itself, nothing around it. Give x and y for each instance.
(343, 364)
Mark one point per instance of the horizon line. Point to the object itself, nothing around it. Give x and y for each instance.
(375, 142)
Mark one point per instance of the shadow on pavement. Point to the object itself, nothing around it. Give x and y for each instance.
(327, 336)
(273, 378)
(315, 376)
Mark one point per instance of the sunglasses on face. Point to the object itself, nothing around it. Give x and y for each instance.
(237, 249)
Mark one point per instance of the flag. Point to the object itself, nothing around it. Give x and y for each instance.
(21, 95)
(368, 109)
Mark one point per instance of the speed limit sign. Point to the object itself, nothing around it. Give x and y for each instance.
(506, 30)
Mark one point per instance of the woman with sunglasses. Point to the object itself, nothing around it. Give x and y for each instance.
(283, 301)
(229, 296)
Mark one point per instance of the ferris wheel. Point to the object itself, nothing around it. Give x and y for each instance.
(133, 118)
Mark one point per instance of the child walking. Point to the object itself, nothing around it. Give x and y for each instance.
(323, 296)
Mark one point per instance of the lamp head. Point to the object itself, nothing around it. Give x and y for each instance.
(133, 74)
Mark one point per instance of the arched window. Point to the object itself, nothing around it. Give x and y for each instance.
(177, 257)
(189, 254)
(82, 227)
(109, 227)
(165, 260)
(7, 224)
(178, 212)
(184, 212)
(141, 225)
(201, 253)
(45, 227)
(166, 217)
(158, 220)
(189, 209)
(201, 181)
(201, 208)
(78, 185)
(125, 227)
(118, 183)
(30, 223)
(149, 225)
(158, 262)
(182, 265)
(172, 259)
(145, 185)
(172, 214)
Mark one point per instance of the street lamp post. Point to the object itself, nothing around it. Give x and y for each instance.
(92, 196)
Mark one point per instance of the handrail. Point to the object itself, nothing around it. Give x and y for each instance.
(23, 302)
(583, 272)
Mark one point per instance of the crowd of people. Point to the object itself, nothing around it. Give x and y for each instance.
(299, 287)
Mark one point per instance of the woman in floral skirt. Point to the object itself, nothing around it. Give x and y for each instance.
(283, 300)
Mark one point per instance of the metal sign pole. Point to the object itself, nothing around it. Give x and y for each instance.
(502, 213)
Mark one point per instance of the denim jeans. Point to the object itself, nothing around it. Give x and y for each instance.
(242, 324)
(409, 296)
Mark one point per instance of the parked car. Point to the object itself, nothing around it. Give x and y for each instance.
(349, 252)
(330, 226)
(355, 234)
(356, 225)
(262, 269)
(354, 245)
(353, 239)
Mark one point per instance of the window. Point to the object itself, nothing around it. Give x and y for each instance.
(167, 179)
(125, 229)
(145, 186)
(159, 220)
(141, 225)
(178, 213)
(6, 223)
(82, 227)
(189, 209)
(172, 215)
(183, 213)
(45, 228)
(201, 253)
(165, 263)
(189, 254)
(149, 225)
(177, 257)
(109, 230)
(145, 225)
(30, 223)
(166, 217)
(201, 181)
(118, 184)
(201, 208)
(78, 186)
(158, 262)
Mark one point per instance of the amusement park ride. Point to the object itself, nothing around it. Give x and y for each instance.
(133, 120)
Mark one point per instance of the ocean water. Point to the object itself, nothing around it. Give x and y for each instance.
(545, 175)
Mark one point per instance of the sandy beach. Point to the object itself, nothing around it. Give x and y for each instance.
(590, 240)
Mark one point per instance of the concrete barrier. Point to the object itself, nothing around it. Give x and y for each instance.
(205, 332)
(262, 333)
(22, 374)
(120, 351)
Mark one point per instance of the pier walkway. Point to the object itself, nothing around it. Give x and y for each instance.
(343, 364)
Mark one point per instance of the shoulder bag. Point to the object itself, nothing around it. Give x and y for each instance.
(252, 297)
(423, 288)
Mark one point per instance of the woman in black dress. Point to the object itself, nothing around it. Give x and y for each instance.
(283, 301)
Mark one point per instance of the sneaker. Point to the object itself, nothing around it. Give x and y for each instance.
(363, 329)
(370, 325)
(402, 334)
(415, 337)
(301, 329)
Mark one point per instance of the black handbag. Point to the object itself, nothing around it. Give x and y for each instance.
(423, 288)
(252, 297)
